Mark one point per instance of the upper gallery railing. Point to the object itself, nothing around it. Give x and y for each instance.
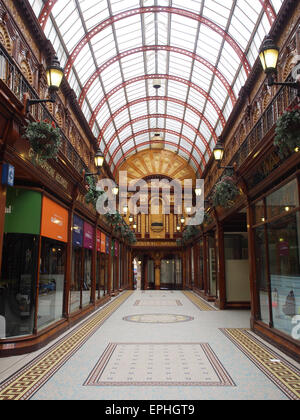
(14, 79)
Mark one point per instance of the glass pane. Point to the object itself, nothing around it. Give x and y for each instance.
(261, 274)
(283, 200)
(18, 284)
(52, 280)
(284, 255)
(212, 266)
(259, 212)
(75, 287)
(87, 282)
(237, 268)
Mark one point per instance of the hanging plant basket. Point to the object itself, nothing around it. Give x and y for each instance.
(92, 195)
(287, 138)
(44, 138)
(189, 233)
(226, 192)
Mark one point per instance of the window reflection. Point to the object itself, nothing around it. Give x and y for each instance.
(51, 282)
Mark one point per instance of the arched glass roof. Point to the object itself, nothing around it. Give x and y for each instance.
(201, 50)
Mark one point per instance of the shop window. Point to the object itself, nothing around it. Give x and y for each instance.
(237, 267)
(261, 274)
(51, 282)
(18, 284)
(87, 281)
(283, 200)
(212, 266)
(75, 288)
(284, 257)
(259, 212)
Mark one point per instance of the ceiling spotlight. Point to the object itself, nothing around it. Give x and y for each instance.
(157, 84)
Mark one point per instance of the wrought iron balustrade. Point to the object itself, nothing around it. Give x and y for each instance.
(14, 79)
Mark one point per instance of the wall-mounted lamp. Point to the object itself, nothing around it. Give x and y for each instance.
(131, 219)
(218, 152)
(182, 220)
(115, 190)
(269, 54)
(198, 191)
(99, 162)
(55, 76)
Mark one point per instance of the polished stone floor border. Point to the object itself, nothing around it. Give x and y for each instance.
(279, 370)
(28, 380)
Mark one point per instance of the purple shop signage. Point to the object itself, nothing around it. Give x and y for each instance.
(88, 236)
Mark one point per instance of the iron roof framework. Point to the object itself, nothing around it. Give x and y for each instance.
(201, 50)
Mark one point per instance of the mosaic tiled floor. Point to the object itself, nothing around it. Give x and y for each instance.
(275, 367)
(200, 303)
(163, 364)
(158, 302)
(23, 384)
(158, 318)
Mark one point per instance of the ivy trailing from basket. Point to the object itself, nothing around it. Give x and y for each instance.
(93, 194)
(287, 138)
(44, 139)
(189, 233)
(120, 226)
(225, 192)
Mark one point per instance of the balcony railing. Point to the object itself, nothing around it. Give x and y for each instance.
(14, 79)
(239, 150)
(267, 121)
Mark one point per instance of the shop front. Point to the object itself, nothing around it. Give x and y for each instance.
(34, 263)
(277, 252)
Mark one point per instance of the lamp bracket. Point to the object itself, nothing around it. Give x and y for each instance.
(91, 174)
(31, 102)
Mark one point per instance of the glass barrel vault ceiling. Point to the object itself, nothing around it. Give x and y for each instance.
(202, 50)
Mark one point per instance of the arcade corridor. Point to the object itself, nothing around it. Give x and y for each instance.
(189, 350)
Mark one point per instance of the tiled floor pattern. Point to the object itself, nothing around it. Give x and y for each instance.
(200, 303)
(211, 357)
(158, 318)
(158, 302)
(32, 377)
(277, 368)
(162, 364)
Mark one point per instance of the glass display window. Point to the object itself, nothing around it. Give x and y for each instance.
(284, 257)
(18, 284)
(51, 282)
(283, 200)
(76, 272)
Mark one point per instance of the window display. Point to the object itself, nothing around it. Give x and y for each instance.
(88, 245)
(76, 274)
(18, 285)
(278, 260)
(51, 282)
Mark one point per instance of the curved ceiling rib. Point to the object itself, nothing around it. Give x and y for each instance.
(160, 98)
(48, 6)
(152, 77)
(164, 130)
(148, 117)
(167, 48)
(146, 143)
(201, 50)
(156, 9)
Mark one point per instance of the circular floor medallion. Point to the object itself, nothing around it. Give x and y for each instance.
(158, 318)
